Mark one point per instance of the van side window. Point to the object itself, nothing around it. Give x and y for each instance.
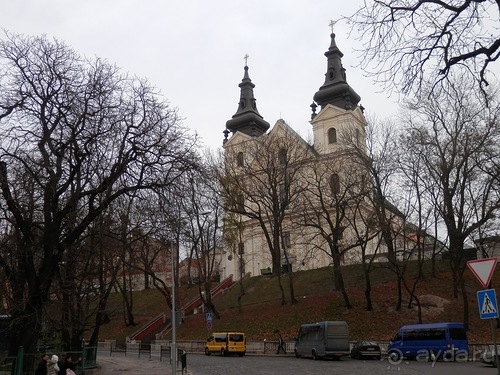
(458, 334)
(425, 334)
(220, 338)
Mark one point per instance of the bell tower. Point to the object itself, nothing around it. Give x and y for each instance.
(247, 118)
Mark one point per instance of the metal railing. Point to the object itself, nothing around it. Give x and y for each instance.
(26, 363)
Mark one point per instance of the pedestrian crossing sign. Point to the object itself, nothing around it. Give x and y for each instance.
(487, 302)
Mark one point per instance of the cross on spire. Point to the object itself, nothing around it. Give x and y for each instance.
(331, 24)
(246, 59)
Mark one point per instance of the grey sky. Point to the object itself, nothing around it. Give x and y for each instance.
(193, 51)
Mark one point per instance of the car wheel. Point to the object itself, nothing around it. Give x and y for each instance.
(207, 352)
(394, 355)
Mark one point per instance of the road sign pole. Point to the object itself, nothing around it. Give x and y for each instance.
(483, 269)
(494, 335)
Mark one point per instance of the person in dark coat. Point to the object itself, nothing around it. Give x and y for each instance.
(42, 365)
(68, 364)
(281, 345)
(62, 365)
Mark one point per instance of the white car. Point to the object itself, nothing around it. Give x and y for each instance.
(488, 357)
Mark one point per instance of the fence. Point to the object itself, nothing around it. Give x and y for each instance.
(26, 363)
(161, 349)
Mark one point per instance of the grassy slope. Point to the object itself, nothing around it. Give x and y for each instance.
(262, 313)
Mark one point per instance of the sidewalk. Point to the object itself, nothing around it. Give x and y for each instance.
(131, 365)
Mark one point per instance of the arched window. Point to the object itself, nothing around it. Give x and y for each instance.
(286, 240)
(335, 184)
(240, 202)
(241, 248)
(282, 156)
(332, 135)
(239, 159)
(283, 193)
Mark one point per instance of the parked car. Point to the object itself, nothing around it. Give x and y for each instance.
(488, 357)
(366, 349)
(429, 340)
(226, 343)
(327, 339)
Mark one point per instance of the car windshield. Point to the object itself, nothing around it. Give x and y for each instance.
(369, 343)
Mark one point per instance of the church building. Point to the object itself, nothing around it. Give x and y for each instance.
(292, 205)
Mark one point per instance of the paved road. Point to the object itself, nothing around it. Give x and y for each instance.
(199, 364)
(120, 364)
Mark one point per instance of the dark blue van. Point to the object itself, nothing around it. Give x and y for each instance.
(432, 341)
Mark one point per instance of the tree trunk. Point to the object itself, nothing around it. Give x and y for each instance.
(282, 291)
(368, 288)
(293, 300)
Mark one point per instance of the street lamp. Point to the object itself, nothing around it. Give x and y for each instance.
(174, 328)
(173, 346)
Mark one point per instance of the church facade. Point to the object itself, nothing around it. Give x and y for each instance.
(292, 205)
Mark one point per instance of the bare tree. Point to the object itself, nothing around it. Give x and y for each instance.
(365, 229)
(261, 186)
(84, 134)
(408, 42)
(327, 202)
(202, 203)
(379, 159)
(233, 226)
(457, 136)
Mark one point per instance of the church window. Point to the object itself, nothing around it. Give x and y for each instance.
(335, 184)
(282, 192)
(240, 202)
(282, 156)
(332, 135)
(286, 240)
(239, 159)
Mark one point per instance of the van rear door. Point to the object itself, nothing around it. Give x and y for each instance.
(337, 337)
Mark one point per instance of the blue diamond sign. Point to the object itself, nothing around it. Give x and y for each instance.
(487, 301)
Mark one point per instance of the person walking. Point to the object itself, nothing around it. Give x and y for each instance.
(62, 365)
(52, 367)
(42, 365)
(281, 345)
(70, 366)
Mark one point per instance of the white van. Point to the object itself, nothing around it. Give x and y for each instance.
(322, 340)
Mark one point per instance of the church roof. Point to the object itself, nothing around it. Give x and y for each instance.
(336, 90)
(247, 118)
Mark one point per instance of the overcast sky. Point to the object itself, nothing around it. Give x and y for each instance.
(193, 51)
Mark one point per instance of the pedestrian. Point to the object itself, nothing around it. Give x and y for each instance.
(62, 365)
(52, 367)
(42, 365)
(281, 345)
(70, 366)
